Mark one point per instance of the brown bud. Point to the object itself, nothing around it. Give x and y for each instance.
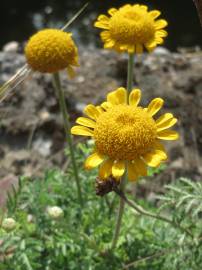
(104, 186)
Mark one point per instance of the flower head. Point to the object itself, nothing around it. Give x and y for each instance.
(125, 134)
(9, 224)
(55, 212)
(131, 28)
(51, 50)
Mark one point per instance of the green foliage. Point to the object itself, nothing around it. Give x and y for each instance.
(82, 238)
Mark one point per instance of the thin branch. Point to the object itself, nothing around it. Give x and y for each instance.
(151, 257)
(198, 4)
(142, 211)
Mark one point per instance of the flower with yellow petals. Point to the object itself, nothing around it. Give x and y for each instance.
(126, 135)
(132, 28)
(51, 50)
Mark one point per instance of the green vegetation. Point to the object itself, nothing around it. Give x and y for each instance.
(81, 239)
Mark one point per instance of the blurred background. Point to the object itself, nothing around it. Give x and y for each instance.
(20, 19)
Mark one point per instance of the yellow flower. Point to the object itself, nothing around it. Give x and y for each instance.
(51, 50)
(125, 134)
(131, 28)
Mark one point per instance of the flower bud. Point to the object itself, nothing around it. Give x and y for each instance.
(9, 224)
(55, 212)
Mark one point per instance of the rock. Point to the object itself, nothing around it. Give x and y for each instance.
(6, 186)
(11, 47)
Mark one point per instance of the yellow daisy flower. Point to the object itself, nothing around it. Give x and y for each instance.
(51, 50)
(126, 135)
(131, 28)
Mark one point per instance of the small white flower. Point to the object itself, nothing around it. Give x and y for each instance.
(55, 212)
(9, 224)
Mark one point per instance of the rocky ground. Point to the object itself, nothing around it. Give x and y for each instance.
(31, 132)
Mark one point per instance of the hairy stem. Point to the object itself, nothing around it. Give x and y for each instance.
(66, 122)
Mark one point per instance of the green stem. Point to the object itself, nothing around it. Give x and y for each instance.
(142, 211)
(66, 122)
(124, 179)
(119, 216)
(130, 72)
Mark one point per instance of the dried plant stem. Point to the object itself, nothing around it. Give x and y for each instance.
(75, 16)
(63, 108)
(124, 179)
(144, 212)
(198, 4)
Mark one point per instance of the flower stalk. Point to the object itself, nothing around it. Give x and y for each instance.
(124, 178)
(131, 57)
(66, 122)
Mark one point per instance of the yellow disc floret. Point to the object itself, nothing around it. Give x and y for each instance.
(131, 28)
(124, 132)
(51, 50)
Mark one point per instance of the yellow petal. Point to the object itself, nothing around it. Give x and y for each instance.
(168, 135)
(167, 123)
(123, 47)
(139, 48)
(106, 169)
(159, 146)
(71, 72)
(159, 40)
(140, 167)
(143, 7)
(91, 111)
(159, 24)
(83, 131)
(111, 98)
(161, 33)
(118, 168)
(105, 35)
(100, 109)
(106, 105)
(121, 95)
(109, 44)
(85, 122)
(127, 6)
(102, 24)
(135, 97)
(131, 48)
(154, 14)
(94, 160)
(132, 173)
(103, 18)
(154, 106)
(112, 11)
(118, 96)
(163, 118)
(150, 44)
(153, 159)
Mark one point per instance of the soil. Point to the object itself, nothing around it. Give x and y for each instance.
(31, 131)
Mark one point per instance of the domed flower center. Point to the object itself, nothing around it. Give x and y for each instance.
(124, 132)
(51, 50)
(132, 26)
